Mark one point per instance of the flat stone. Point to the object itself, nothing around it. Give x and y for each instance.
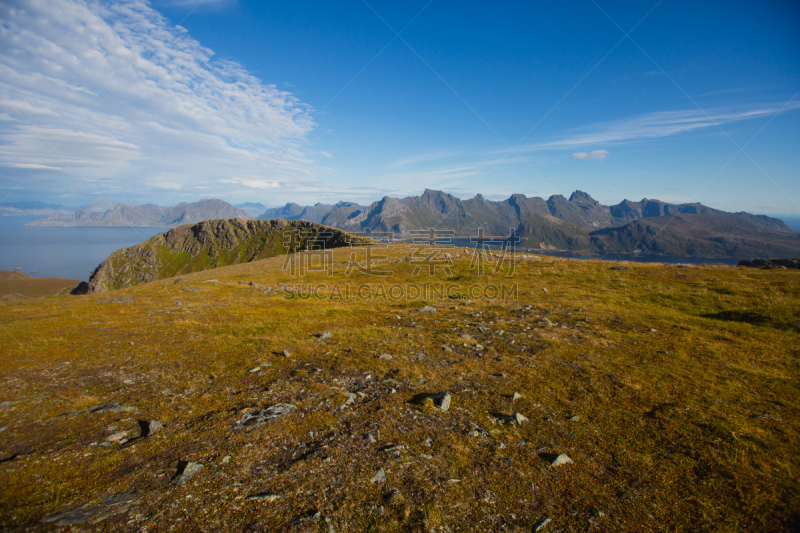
(116, 437)
(255, 369)
(428, 309)
(325, 336)
(264, 497)
(562, 459)
(517, 396)
(188, 471)
(385, 356)
(541, 525)
(226, 459)
(286, 353)
(191, 288)
(520, 419)
(379, 477)
(110, 505)
(261, 416)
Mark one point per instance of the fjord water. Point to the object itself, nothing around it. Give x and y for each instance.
(63, 252)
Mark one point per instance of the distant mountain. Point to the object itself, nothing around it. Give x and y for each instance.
(252, 208)
(319, 213)
(32, 208)
(210, 244)
(579, 224)
(145, 215)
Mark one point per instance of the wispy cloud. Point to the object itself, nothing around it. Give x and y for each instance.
(598, 155)
(144, 98)
(656, 125)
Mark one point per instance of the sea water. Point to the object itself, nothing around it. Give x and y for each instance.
(63, 251)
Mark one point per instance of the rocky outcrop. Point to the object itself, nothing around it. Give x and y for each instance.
(211, 244)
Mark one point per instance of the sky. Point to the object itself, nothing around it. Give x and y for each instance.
(178, 100)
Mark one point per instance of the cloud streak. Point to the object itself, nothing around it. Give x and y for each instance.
(598, 155)
(144, 98)
(657, 125)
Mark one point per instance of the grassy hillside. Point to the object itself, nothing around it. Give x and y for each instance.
(675, 391)
(15, 285)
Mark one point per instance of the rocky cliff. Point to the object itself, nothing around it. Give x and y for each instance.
(211, 244)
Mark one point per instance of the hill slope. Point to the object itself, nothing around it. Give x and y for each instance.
(674, 391)
(210, 244)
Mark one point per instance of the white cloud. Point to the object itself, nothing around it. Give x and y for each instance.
(598, 155)
(253, 183)
(658, 125)
(144, 100)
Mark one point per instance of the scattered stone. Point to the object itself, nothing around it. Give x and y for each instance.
(544, 290)
(210, 281)
(385, 356)
(329, 523)
(541, 525)
(351, 397)
(264, 497)
(117, 437)
(517, 396)
(426, 456)
(428, 309)
(186, 471)
(109, 506)
(652, 330)
(428, 442)
(325, 336)
(620, 268)
(520, 419)
(574, 418)
(226, 459)
(442, 400)
(379, 477)
(475, 433)
(562, 459)
(255, 369)
(369, 438)
(286, 353)
(260, 416)
(191, 288)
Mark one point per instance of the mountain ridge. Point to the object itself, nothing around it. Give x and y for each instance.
(566, 224)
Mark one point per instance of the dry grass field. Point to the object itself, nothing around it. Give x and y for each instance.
(674, 390)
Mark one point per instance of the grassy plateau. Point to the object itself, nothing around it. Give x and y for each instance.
(674, 390)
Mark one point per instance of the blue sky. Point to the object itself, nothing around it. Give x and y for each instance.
(323, 101)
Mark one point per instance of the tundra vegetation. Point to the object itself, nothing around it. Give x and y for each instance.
(593, 396)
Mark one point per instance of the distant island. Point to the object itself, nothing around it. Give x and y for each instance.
(578, 224)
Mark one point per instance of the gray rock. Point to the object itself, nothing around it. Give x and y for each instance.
(562, 459)
(191, 288)
(210, 281)
(117, 437)
(111, 505)
(286, 353)
(325, 336)
(187, 471)
(517, 396)
(442, 400)
(385, 356)
(544, 290)
(539, 526)
(264, 497)
(329, 523)
(226, 459)
(123, 300)
(428, 309)
(379, 477)
(369, 438)
(351, 397)
(260, 416)
(520, 419)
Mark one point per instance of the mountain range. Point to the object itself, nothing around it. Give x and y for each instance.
(97, 213)
(578, 224)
